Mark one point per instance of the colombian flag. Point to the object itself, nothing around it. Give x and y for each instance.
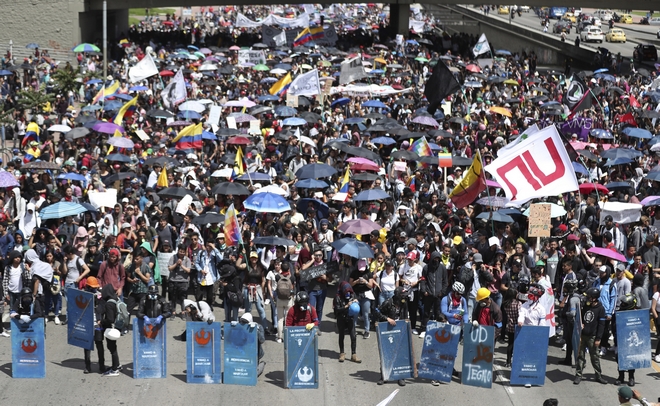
(190, 141)
(317, 33)
(280, 87)
(31, 133)
(190, 130)
(304, 37)
(345, 182)
(473, 183)
(126, 111)
(106, 92)
(231, 229)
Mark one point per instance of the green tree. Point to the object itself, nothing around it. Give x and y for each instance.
(34, 100)
(67, 80)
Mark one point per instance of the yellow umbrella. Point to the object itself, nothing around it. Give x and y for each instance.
(325, 63)
(305, 66)
(501, 110)
(380, 60)
(511, 82)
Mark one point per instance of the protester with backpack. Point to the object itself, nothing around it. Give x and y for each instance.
(106, 316)
(387, 281)
(112, 272)
(433, 287)
(283, 296)
(346, 307)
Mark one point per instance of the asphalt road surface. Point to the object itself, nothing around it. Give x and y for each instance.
(340, 383)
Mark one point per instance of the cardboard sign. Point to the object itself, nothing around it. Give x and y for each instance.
(251, 56)
(80, 318)
(291, 100)
(103, 199)
(539, 220)
(240, 355)
(163, 261)
(439, 351)
(255, 127)
(301, 358)
(478, 345)
(214, 117)
(142, 135)
(530, 355)
(28, 349)
(231, 122)
(316, 271)
(395, 347)
(149, 349)
(633, 332)
(203, 363)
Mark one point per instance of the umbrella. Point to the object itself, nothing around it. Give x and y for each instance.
(193, 105)
(310, 184)
(587, 188)
(43, 165)
(60, 128)
(615, 153)
(121, 142)
(587, 154)
(493, 201)
(107, 127)
(366, 176)
(267, 203)
(579, 168)
(72, 177)
(405, 154)
(78, 132)
(473, 68)
(618, 186)
(285, 111)
(601, 133)
(209, 218)
(653, 175)
(495, 216)
(119, 176)
(242, 118)
(430, 121)
(383, 141)
(62, 209)
(162, 160)
(359, 227)
(637, 132)
(460, 161)
(618, 161)
(606, 252)
(118, 158)
(238, 140)
(189, 115)
(32, 45)
(353, 248)
(501, 110)
(8, 180)
(157, 113)
(555, 211)
(175, 192)
(255, 176)
(315, 171)
(374, 103)
(230, 188)
(370, 195)
(294, 121)
(272, 240)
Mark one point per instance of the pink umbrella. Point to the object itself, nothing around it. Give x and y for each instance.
(359, 227)
(359, 160)
(608, 253)
(234, 48)
(648, 199)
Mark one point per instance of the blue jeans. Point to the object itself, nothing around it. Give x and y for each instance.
(68, 286)
(316, 300)
(273, 309)
(497, 298)
(365, 310)
(53, 302)
(231, 312)
(260, 307)
(384, 295)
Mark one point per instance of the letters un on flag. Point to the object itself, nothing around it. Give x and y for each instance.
(538, 166)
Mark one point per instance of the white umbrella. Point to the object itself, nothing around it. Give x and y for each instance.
(244, 102)
(307, 141)
(60, 128)
(278, 71)
(273, 189)
(208, 66)
(222, 173)
(193, 105)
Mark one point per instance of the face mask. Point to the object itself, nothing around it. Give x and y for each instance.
(303, 308)
(153, 297)
(483, 304)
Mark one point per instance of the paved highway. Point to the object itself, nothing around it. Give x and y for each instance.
(340, 384)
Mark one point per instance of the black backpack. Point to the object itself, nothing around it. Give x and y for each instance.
(465, 276)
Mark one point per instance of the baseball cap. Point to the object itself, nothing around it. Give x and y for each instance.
(400, 250)
(389, 262)
(403, 234)
(477, 259)
(254, 254)
(603, 268)
(608, 218)
(411, 255)
(620, 268)
(126, 225)
(625, 392)
(124, 200)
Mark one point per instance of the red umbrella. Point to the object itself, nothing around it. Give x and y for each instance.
(238, 140)
(587, 188)
(473, 68)
(166, 73)
(168, 23)
(365, 167)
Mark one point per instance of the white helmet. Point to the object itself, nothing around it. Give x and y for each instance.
(458, 288)
(246, 318)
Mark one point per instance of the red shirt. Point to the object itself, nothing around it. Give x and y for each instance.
(297, 317)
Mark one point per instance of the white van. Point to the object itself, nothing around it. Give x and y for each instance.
(604, 15)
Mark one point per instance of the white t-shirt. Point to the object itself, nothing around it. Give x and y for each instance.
(411, 274)
(387, 282)
(656, 296)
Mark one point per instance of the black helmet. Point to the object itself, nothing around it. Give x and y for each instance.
(582, 285)
(400, 294)
(152, 290)
(628, 302)
(523, 284)
(26, 291)
(536, 290)
(302, 298)
(593, 293)
(570, 285)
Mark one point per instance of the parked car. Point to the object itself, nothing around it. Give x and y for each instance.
(654, 21)
(561, 26)
(645, 52)
(615, 35)
(625, 19)
(569, 17)
(591, 34)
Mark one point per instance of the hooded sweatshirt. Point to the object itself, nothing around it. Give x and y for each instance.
(435, 276)
(107, 312)
(29, 221)
(40, 269)
(16, 205)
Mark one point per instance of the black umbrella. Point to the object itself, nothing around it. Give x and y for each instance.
(399, 131)
(587, 154)
(226, 70)
(85, 118)
(440, 133)
(431, 160)
(41, 165)
(365, 153)
(376, 128)
(404, 102)
(460, 161)
(616, 90)
(227, 132)
(365, 176)
(162, 160)
(119, 176)
(315, 171)
(209, 218)
(303, 101)
(230, 188)
(158, 113)
(272, 240)
(405, 154)
(312, 116)
(78, 132)
(175, 192)
(457, 120)
(118, 158)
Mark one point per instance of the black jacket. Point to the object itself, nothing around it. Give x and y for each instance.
(154, 308)
(435, 277)
(389, 310)
(593, 320)
(107, 312)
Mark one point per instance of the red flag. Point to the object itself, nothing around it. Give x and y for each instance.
(627, 118)
(634, 103)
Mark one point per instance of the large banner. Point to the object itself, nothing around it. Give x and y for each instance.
(538, 166)
(530, 355)
(80, 318)
(269, 34)
(28, 349)
(478, 346)
(149, 350)
(633, 332)
(301, 21)
(301, 358)
(251, 56)
(240, 354)
(580, 126)
(396, 353)
(439, 351)
(203, 362)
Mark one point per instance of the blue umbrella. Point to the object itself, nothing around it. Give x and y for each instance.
(374, 103)
(72, 176)
(284, 66)
(62, 209)
(653, 175)
(311, 184)
(92, 107)
(615, 153)
(605, 76)
(294, 121)
(601, 133)
(618, 161)
(208, 136)
(315, 171)
(354, 120)
(353, 248)
(370, 195)
(5, 73)
(118, 158)
(267, 203)
(601, 70)
(340, 102)
(268, 80)
(653, 141)
(434, 146)
(285, 111)
(496, 216)
(579, 168)
(304, 204)
(503, 52)
(94, 81)
(138, 88)
(255, 176)
(510, 211)
(383, 141)
(618, 186)
(112, 105)
(638, 133)
(194, 48)
(122, 96)
(412, 42)
(189, 114)
(376, 72)
(268, 97)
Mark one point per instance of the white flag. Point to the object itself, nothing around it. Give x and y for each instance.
(280, 39)
(175, 92)
(351, 71)
(143, 69)
(306, 84)
(536, 167)
(482, 46)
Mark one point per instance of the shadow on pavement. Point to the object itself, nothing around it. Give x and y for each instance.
(332, 354)
(557, 375)
(181, 377)
(6, 368)
(127, 369)
(75, 363)
(369, 376)
(275, 378)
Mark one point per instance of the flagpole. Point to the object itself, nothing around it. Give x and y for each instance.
(246, 167)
